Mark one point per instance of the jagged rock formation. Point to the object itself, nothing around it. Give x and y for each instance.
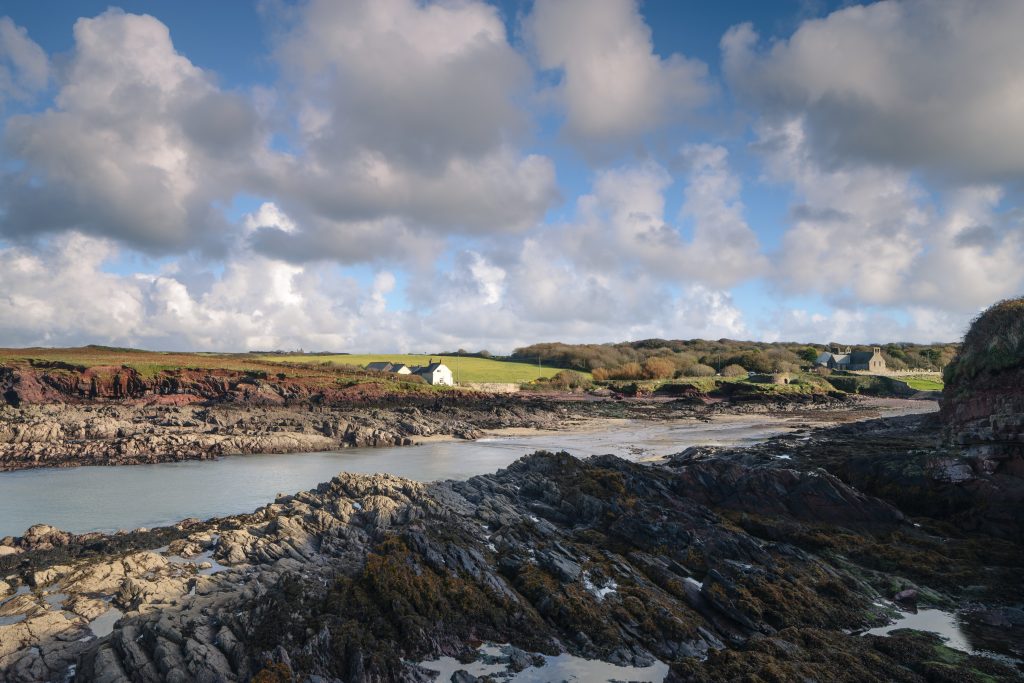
(113, 433)
(364, 576)
(119, 432)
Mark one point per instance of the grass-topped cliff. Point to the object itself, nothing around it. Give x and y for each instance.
(994, 344)
(984, 393)
(47, 375)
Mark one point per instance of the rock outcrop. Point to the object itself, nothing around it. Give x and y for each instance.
(107, 432)
(983, 411)
(114, 434)
(364, 576)
(983, 405)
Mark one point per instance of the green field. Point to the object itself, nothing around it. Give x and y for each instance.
(924, 382)
(464, 369)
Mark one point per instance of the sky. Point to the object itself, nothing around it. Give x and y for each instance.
(415, 176)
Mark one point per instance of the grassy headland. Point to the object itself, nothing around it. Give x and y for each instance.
(464, 368)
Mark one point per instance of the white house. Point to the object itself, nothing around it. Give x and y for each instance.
(435, 373)
(438, 374)
(386, 366)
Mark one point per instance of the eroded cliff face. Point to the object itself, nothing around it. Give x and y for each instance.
(983, 406)
(53, 382)
(986, 417)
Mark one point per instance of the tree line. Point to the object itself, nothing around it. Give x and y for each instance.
(666, 358)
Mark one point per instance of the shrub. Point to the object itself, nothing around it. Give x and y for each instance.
(569, 379)
(624, 371)
(809, 355)
(658, 368)
(994, 343)
(628, 371)
(699, 370)
(733, 371)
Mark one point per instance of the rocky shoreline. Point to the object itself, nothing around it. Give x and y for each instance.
(715, 564)
(113, 432)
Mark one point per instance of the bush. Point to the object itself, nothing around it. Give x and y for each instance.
(734, 371)
(699, 370)
(624, 371)
(569, 379)
(809, 355)
(658, 368)
(994, 343)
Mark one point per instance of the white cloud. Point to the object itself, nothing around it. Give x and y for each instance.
(622, 223)
(915, 324)
(419, 83)
(916, 84)
(408, 117)
(613, 85)
(259, 303)
(51, 297)
(139, 145)
(269, 215)
(538, 294)
(863, 235)
(24, 67)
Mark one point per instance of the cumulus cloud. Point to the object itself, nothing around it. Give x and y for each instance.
(613, 86)
(349, 211)
(408, 117)
(864, 326)
(63, 294)
(924, 85)
(24, 67)
(139, 146)
(538, 293)
(865, 235)
(417, 82)
(622, 224)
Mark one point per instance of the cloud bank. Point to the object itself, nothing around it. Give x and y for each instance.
(426, 175)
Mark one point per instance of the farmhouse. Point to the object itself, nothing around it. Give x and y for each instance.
(852, 360)
(385, 366)
(435, 373)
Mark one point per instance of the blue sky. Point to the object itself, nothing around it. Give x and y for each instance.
(396, 174)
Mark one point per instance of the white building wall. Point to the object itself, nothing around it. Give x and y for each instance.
(442, 376)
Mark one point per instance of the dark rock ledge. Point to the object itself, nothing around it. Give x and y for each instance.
(722, 568)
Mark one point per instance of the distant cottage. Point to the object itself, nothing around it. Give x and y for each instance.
(437, 374)
(384, 366)
(852, 360)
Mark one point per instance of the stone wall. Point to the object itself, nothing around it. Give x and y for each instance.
(492, 387)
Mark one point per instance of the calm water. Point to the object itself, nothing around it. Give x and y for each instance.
(81, 499)
(564, 667)
(1002, 644)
